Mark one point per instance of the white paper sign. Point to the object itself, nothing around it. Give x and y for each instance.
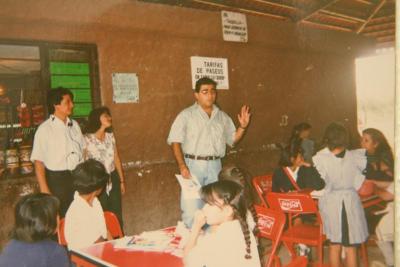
(234, 26)
(125, 88)
(212, 67)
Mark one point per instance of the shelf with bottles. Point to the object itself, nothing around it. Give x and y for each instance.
(18, 123)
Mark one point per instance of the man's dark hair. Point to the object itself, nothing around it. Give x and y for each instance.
(202, 81)
(35, 217)
(94, 122)
(89, 176)
(336, 136)
(55, 96)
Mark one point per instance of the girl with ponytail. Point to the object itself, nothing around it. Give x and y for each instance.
(228, 240)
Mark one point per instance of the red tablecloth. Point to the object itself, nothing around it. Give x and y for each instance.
(104, 254)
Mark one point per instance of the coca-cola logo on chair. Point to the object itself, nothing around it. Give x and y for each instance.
(290, 204)
(265, 223)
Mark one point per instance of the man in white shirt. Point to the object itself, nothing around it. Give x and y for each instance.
(84, 222)
(199, 136)
(58, 148)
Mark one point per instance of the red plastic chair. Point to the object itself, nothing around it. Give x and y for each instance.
(295, 204)
(263, 185)
(60, 233)
(113, 225)
(270, 224)
(300, 261)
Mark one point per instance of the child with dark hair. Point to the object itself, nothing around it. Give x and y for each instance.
(302, 132)
(340, 207)
(84, 221)
(380, 163)
(243, 178)
(36, 217)
(228, 241)
(294, 173)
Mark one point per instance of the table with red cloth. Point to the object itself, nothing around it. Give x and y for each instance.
(106, 254)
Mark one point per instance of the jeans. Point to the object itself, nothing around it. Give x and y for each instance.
(206, 172)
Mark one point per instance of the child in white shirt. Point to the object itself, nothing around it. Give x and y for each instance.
(228, 241)
(84, 221)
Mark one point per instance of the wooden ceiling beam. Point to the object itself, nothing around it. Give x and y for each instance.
(373, 13)
(337, 18)
(275, 4)
(364, 2)
(379, 26)
(315, 10)
(342, 15)
(388, 38)
(326, 26)
(383, 18)
(236, 9)
(380, 33)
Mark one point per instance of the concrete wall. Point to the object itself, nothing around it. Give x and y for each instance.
(284, 69)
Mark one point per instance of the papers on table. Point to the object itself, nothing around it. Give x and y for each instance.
(190, 187)
(160, 241)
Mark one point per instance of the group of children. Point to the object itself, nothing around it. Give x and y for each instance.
(37, 220)
(222, 232)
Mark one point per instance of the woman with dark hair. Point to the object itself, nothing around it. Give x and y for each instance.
(302, 131)
(380, 162)
(101, 146)
(228, 240)
(340, 206)
(294, 173)
(36, 220)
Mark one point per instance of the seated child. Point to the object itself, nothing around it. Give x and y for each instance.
(228, 241)
(233, 173)
(84, 220)
(302, 131)
(36, 217)
(294, 173)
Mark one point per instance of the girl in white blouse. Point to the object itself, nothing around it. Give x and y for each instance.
(228, 240)
(100, 145)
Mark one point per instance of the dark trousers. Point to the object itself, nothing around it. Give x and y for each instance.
(60, 185)
(112, 202)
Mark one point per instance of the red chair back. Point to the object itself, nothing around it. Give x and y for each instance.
(113, 225)
(263, 185)
(292, 203)
(60, 233)
(270, 224)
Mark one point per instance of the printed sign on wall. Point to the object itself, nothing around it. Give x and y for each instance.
(234, 26)
(212, 67)
(125, 88)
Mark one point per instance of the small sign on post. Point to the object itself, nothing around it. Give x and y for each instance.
(234, 26)
(212, 67)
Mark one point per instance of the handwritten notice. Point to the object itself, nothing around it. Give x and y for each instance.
(214, 68)
(234, 26)
(125, 88)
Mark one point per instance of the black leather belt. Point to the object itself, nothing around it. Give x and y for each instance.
(201, 157)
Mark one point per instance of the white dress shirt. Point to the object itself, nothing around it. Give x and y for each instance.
(224, 247)
(84, 224)
(58, 145)
(201, 135)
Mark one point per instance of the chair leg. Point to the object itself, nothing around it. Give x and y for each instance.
(290, 248)
(364, 254)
